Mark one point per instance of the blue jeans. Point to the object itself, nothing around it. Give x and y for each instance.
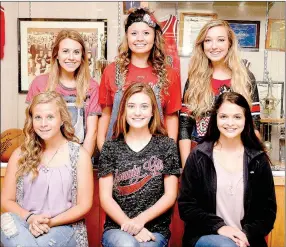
(215, 241)
(15, 232)
(116, 238)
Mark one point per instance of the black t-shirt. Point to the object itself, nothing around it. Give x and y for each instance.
(138, 177)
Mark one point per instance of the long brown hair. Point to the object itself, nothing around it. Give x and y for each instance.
(248, 136)
(82, 75)
(33, 146)
(121, 126)
(199, 95)
(157, 57)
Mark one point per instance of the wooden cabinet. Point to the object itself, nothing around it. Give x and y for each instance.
(277, 237)
(3, 170)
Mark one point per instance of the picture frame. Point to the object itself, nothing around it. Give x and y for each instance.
(133, 4)
(189, 28)
(275, 38)
(277, 92)
(35, 42)
(247, 33)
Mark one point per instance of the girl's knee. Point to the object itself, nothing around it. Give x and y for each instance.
(225, 241)
(215, 241)
(160, 241)
(115, 238)
(58, 236)
(8, 225)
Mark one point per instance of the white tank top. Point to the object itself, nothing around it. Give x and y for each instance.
(229, 196)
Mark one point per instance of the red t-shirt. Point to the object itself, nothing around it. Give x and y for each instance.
(222, 86)
(170, 102)
(218, 87)
(92, 106)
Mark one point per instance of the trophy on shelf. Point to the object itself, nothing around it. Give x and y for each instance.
(268, 146)
(101, 64)
(269, 103)
(282, 146)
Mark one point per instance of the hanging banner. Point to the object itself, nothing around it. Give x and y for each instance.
(2, 34)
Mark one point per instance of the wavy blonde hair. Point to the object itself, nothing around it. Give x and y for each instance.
(121, 126)
(33, 146)
(157, 57)
(199, 95)
(82, 75)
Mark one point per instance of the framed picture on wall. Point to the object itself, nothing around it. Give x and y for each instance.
(278, 94)
(36, 38)
(190, 26)
(275, 38)
(133, 4)
(247, 33)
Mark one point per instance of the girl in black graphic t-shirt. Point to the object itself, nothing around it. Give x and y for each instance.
(138, 172)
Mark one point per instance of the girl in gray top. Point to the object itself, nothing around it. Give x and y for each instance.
(138, 172)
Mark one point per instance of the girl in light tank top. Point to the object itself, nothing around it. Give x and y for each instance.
(48, 185)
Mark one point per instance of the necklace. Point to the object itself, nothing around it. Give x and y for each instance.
(54, 154)
(238, 153)
(230, 161)
(233, 184)
(230, 188)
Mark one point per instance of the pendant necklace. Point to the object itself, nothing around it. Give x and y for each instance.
(45, 167)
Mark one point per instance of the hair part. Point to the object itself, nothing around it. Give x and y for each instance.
(248, 136)
(33, 146)
(157, 57)
(199, 95)
(81, 74)
(121, 126)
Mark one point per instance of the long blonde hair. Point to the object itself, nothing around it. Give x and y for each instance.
(157, 57)
(33, 146)
(82, 75)
(199, 95)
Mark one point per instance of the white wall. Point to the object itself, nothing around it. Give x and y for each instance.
(13, 104)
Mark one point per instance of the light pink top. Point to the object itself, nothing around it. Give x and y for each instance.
(50, 192)
(229, 196)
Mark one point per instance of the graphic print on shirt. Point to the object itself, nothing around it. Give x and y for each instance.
(140, 78)
(136, 178)
(202, 125)
(222, 89)
(77, 116)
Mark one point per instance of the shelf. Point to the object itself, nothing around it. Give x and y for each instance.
(273, 120)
